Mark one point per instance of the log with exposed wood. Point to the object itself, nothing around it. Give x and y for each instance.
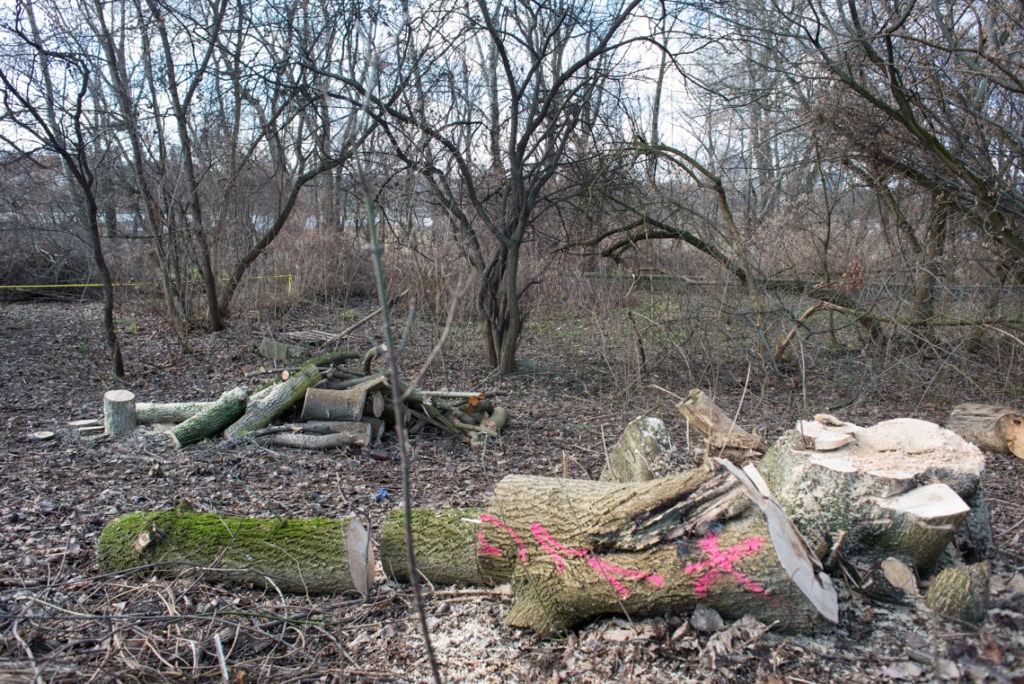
(270, 404)
(578, 549)
(901, 488)
(990, 426)
(725, 438)
(342, 404)
(574, 549)
(321, 435)
(211, 420)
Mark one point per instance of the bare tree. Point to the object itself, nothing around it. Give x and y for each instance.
(45, 92)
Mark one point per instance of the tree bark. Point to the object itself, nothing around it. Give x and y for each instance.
(445, 541)
(990, 426)
(642, 453)
(275, 401)
(304, 556)
(148, 413)
(578, 549)
(118, 412)
(212, 419)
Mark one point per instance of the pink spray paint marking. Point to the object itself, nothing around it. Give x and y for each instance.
(603, 568)
(488, 549)
(722, 562)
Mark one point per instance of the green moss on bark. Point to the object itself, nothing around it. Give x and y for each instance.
(295, 555)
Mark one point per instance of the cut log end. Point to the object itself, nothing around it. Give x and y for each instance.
(118, 412)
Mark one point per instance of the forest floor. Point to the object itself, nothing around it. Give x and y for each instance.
(62, 620)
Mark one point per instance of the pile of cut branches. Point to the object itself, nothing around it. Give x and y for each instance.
(321, 404)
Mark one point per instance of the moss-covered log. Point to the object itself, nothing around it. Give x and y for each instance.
(304, 556)
(273, 402)
(212, 419)
(445, 541)
(578, 549)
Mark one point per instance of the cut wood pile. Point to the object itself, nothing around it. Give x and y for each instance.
(894, 509)
(322, 404)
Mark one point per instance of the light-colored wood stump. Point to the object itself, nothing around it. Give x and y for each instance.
(900, 488)
(990, 426)
(118, 412)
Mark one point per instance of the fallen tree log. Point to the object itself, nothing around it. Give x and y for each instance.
(446, 546)
(344, 404)
(212, 419)
(148, 413)
(990, 426)
(272, 402)
(901, 488)
(319, 436)
(303, 556)
(577, 549)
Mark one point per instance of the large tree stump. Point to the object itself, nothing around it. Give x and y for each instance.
(900, 488)
(269, 404)
(304, 556)
(990, 426)
(578, 549)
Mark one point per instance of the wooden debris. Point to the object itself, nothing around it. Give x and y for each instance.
(281, 351)
(279, 398)
(990, 426)
(211, 420)
(960, 592)
(642, 452)
(148, 413)
(725, 438)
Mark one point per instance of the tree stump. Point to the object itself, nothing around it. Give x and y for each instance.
(900, 488)
(118, 412)
(643, 452)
